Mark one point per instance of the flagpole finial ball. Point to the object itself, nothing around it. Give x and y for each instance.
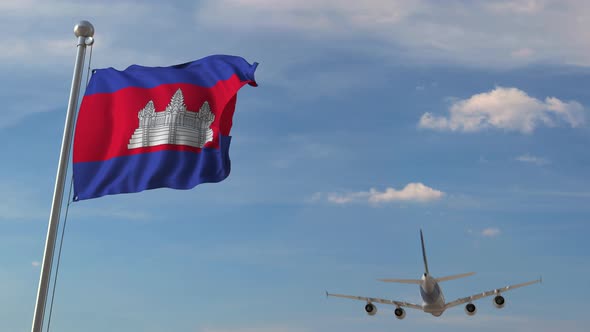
(84, 29)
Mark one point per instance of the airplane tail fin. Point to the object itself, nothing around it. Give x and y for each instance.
(424, 254)
(413, 281)
(456, 276)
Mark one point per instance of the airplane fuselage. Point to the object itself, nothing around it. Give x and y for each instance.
(433, 300)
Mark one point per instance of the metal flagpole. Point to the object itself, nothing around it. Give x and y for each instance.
(85, 33)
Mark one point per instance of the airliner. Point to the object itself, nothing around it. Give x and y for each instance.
(433, 301)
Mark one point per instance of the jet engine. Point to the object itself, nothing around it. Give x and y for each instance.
(470, 309)
(371, 309)
(499, 301)
(399, 313)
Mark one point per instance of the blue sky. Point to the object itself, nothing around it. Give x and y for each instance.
(372, 119)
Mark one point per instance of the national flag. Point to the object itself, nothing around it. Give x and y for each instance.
(152, 127)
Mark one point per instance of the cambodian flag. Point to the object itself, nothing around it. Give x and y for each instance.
(152, 127)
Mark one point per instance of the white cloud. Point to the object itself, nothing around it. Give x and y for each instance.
(490, 232)
(527, 158)
(42, 40)
(505, 108)
(481, 33)
(516, 6)
(324, 16)
(35, 264)
(67, 8)
(347, 198)
(412, 192)
(484, 33)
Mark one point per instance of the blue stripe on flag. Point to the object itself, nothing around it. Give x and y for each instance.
(167, 168)
(205, 72)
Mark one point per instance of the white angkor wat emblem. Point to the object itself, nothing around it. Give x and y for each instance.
(176, 125)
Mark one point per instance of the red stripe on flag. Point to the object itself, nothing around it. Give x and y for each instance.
(107, 121)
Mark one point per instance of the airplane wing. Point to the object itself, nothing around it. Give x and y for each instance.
(403, 281)
(376, 300)
(488, 293)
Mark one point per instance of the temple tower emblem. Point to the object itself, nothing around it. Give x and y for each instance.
(175, 125)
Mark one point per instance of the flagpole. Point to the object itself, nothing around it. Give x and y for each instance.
(85, 33)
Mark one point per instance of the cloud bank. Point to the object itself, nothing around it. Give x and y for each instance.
(510, 109)
(481, 33)
(412, 192)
